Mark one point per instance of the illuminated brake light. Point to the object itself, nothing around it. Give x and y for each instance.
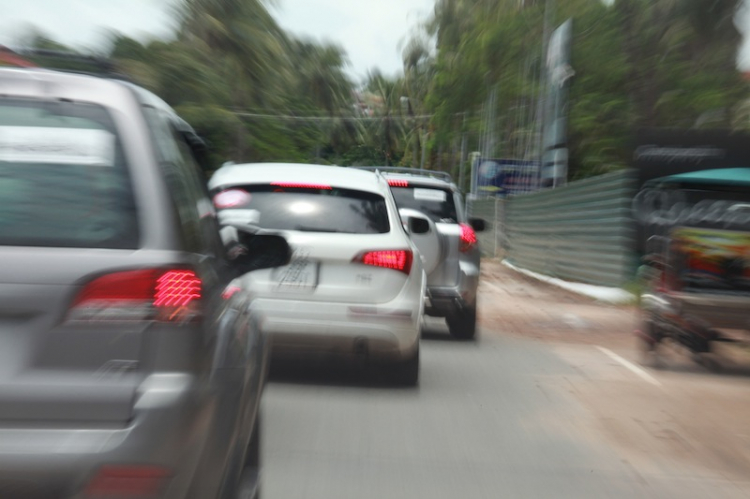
(391, 259)
(302, 185)
(127, 481)
(138, 295)
(398, 183)
(468, 238)
(177, 288)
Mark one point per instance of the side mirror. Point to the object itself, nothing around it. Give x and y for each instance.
(414, 221)
(477, 224)
(418, 225)
(198, 146)
(259, 251)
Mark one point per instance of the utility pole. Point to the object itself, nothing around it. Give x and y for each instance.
(462, 164)
(544, 84)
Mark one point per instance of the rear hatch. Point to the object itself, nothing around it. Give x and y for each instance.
(437, 203)
(344, 247)
(67, 217)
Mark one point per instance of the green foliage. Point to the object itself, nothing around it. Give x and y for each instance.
(237, 77)
(637, 63)
(244, 83)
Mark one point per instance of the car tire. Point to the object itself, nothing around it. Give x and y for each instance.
(463, 325)
(406, 372)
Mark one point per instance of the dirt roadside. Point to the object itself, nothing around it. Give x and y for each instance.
(681, 419)
(519, 305)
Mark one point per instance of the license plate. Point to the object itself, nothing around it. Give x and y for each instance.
(299, 276)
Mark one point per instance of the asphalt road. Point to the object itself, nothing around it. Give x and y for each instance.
(492, 418)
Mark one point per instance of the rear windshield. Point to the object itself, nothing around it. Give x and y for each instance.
(308, 209)
(435, 203)
(63, 177)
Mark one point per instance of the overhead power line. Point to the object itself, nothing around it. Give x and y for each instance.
(291, 117)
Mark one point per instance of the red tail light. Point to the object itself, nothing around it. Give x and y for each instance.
(230, 291)
(398, 183)
(149, 294)
(468, 238)
(177, 288)
(390, 259)
(302, 185)
(127, 481)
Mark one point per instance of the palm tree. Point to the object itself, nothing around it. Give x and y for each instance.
(419, 71)
(388, 131)
(242, 41)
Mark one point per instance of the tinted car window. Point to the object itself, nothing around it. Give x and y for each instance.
(195, 182)
(306, 209)
(177, 177)
(435, 203)
(64, 181)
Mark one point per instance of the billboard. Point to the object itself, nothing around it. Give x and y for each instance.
(661, 152)
(503, 177)
(712, 260)
(555, 136)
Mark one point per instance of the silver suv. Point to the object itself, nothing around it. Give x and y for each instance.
(128, 368)
(449, 249)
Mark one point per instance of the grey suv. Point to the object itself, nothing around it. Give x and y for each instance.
(127, 368)
(449, 249)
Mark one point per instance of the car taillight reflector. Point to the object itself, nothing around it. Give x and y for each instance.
(148, 294)
(398, 183)
(302, 185)
(230, 291)
(133, 285)
(391, 259)
(127, 481)
(231, 198)
(468, 238)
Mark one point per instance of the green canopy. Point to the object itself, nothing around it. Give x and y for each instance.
(722, 176)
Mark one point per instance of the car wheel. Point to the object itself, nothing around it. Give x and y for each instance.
(463, 325)
(407, 372)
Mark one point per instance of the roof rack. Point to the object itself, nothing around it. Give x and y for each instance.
(9, 57)
(409, 171)
(98, 66)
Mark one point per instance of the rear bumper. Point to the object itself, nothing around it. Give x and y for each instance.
(168, 430)
(443, 301)
(299, 328)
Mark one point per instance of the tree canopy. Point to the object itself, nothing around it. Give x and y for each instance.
(473, 79)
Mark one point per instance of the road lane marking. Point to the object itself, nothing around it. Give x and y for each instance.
(630, 366)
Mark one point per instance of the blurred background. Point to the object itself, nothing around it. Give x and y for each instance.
(584, 100)
(417, 82)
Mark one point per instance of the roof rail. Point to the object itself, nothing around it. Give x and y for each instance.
(81, 64)
(408, 171)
